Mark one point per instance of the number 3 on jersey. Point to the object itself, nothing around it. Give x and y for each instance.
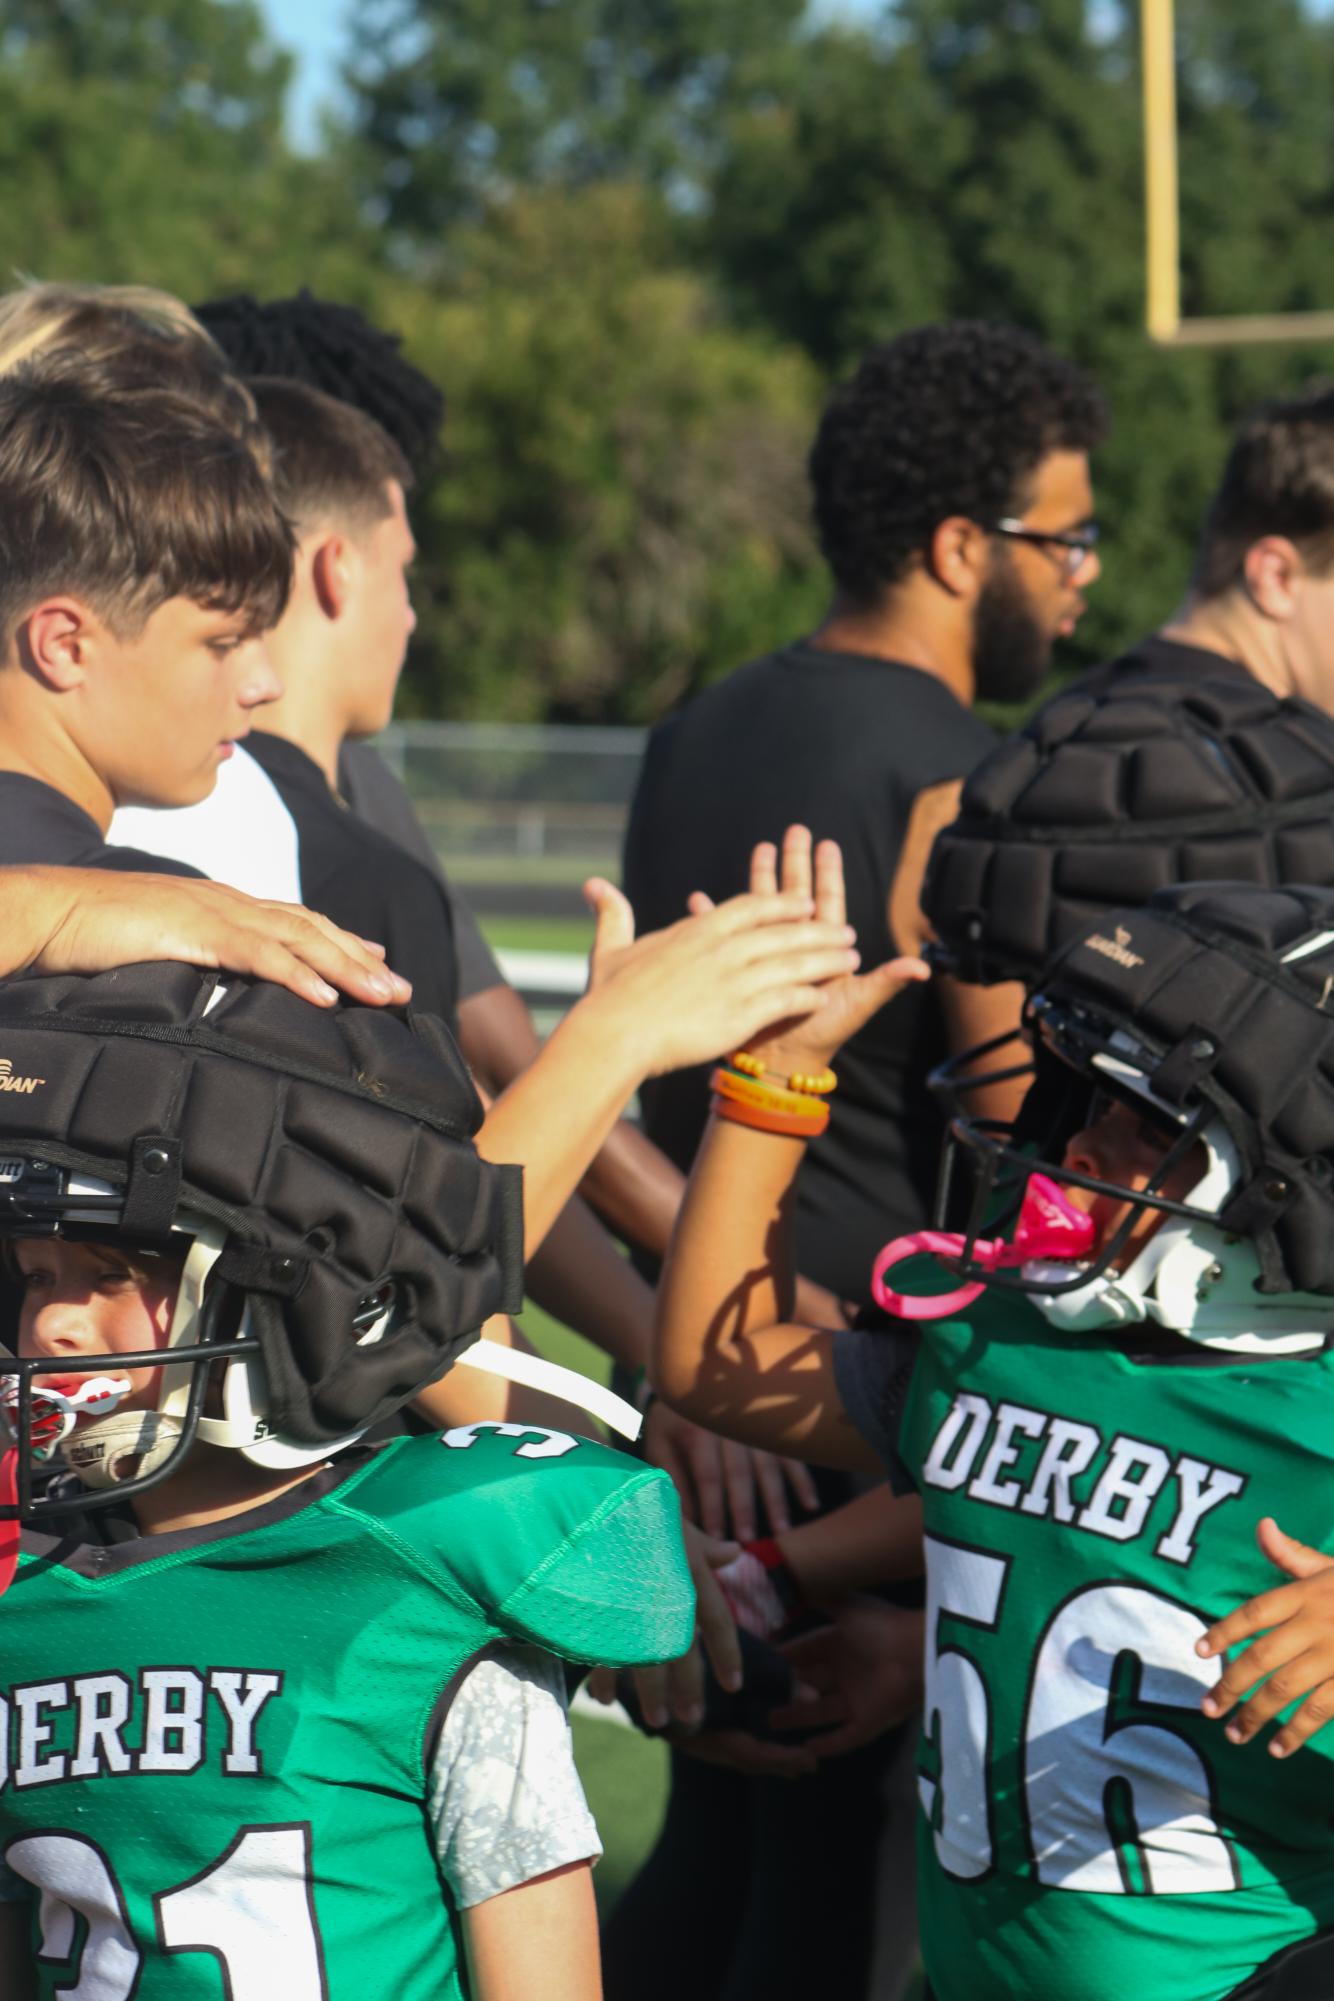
(251, 1908)
(1112, 1803)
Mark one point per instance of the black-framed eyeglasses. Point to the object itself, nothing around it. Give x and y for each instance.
(1073, 546)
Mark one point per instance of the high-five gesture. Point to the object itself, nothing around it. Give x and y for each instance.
(679, 996)
(808, 1041)
(727, 1352)
(718, 977)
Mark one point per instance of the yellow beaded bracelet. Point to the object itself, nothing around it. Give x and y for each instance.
(810, 1084)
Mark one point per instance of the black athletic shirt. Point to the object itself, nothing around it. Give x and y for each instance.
(39, 824)
(363, 880)
(377, 796)
(842, 743)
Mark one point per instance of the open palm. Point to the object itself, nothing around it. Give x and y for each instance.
(807, 1042)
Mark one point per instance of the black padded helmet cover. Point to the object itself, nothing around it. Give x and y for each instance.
(1230, 990)
(1101, 799)
(334, 1145)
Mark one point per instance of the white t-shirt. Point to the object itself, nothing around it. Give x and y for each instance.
(242, 834)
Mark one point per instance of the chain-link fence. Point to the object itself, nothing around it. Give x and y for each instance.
(519, 807)
(520, 816)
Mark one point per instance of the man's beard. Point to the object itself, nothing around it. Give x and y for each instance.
(1011, 651)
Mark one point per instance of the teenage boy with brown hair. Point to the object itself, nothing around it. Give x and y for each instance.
(142, 555)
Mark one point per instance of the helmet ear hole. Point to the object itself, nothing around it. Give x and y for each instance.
(374, 1312)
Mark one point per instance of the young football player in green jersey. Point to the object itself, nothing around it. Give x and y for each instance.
(1129, 1367)
(281, 1713)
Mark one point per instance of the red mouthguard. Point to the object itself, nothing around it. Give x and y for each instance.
(1048, 1226)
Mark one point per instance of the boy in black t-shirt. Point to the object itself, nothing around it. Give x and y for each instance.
(142, 557)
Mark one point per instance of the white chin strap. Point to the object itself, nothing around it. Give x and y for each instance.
(123, 1446)
(1193, 1279)
(96, 1453)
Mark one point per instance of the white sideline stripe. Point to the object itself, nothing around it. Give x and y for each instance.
(539, 1374)
(545, 972)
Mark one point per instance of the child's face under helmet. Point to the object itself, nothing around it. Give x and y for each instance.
(339, 1240)
(1206, 1014)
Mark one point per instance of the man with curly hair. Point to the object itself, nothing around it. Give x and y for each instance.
(955, 511)
(954, 508)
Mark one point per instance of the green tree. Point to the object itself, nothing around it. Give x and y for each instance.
(623, 503)
(145, 141)
(983, 158)
(460, 103)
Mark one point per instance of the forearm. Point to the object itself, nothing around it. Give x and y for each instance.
(630, 1183)
(635, 1188)
(541, 1938)
(876, 1539)
(725, 1352)
(581, 1277)
(37, 902)
(729, 1274)
(554, 1117)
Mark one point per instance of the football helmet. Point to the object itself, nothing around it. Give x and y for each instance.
(1104, 798)
(1210, 1013)
(340, 1240)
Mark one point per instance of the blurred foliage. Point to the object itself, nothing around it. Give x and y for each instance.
(622, 496)
(635, 239)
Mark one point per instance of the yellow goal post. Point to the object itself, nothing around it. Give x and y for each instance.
(1162, 214)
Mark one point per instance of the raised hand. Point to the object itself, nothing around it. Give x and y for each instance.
(713, 980)
(807, 1040)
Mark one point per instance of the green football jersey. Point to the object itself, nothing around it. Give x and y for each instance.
(216, 1743)
(1086, 1830)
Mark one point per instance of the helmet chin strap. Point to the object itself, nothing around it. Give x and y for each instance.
(95, 1452)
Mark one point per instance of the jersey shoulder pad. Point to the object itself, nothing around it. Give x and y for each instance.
(554, 1538)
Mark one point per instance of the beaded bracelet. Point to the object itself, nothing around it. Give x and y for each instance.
(816, 1084)
(764, 1097)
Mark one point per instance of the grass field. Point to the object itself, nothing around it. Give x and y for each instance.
(537, 934)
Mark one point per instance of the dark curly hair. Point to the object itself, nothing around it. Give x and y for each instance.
(944, 420)
(336, 349)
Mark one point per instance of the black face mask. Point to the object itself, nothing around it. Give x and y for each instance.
(1011, 652)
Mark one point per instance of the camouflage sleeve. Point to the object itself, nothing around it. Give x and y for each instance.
(505, 1801)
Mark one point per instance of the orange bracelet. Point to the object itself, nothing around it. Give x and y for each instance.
(811, 1084)
(787, 1124)
(764, 1097)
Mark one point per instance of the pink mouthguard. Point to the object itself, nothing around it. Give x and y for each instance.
(1048, 1226)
